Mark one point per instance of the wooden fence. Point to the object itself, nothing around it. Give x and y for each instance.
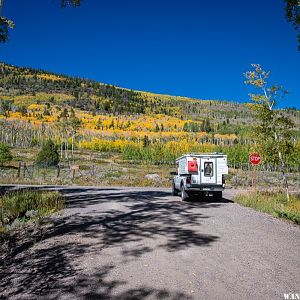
(131, 172)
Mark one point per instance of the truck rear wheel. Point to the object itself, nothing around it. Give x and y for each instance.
(184, 195)
(218, 196)
(174, 190)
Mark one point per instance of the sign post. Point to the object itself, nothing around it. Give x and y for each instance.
(255, 160)
(74, 168)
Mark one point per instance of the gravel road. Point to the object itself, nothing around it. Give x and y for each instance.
(143, 243)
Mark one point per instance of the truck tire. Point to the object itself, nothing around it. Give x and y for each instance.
(218, 196)
(184, 195)
(174, 190)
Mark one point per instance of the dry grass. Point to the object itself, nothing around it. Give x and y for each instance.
(274, 203)
(104, 168)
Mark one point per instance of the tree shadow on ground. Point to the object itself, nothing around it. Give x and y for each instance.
(141, 220)
(107, 289)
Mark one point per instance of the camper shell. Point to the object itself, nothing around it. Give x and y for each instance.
(200, 173)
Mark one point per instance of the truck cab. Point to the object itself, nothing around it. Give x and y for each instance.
(202, 174)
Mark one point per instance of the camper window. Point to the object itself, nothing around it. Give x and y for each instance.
(208, 169)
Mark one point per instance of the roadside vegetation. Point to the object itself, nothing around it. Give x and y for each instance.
(274, 203)
(274, 132)
(5, 154)
(110, 169)
(19, 207)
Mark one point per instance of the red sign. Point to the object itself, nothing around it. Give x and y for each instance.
(255, 158)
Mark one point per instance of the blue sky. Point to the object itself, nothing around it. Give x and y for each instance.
(189, 48)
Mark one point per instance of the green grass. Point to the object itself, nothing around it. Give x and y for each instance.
(113, 174)
(274, 203)
(24, 205)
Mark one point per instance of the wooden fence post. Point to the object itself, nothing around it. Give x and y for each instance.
(19, 169)
(24, 169)
(58, 171)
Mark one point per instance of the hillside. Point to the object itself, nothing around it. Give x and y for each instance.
(103, 98)
(81, 113)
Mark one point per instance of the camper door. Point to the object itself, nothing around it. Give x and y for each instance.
(208, 171)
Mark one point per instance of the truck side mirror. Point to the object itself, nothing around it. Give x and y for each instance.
(173, 173)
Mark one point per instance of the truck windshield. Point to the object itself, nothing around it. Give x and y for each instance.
(208, 169)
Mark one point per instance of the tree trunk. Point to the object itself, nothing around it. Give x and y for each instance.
(66, 147)
(285, 182)
(61, 148)
(282, 168)
(12, 130)
(72, 145)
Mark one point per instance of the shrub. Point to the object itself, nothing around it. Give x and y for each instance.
(23, 205)
(5, 154)
(48, 156)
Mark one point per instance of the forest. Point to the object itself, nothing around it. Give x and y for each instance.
(83, 114)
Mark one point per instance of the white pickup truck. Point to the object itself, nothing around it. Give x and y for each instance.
(200, 174)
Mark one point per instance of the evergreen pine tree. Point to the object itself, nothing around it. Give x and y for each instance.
(48, 156)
